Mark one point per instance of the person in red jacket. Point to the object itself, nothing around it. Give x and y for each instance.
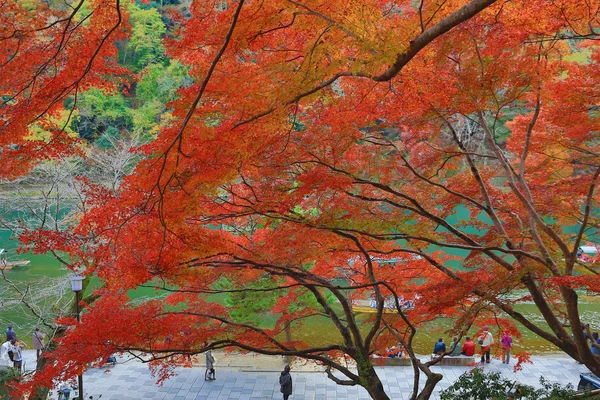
(469, 347)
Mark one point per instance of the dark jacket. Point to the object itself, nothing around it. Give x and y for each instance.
(10, 335)
(285, 380)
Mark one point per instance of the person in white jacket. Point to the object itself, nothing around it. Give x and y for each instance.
(210, 366)
(486, 340)
(4, 360)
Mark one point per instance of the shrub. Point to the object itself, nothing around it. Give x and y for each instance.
(475, 385)
(7, 376)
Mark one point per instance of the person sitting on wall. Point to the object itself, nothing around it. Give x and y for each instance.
(456, 348)
(468, 348)
(395, 351)
(440, 347)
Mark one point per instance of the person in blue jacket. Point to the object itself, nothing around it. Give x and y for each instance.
(440, 347)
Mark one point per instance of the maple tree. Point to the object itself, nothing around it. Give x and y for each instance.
(331, 151)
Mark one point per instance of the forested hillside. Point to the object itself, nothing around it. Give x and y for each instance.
(113, 122)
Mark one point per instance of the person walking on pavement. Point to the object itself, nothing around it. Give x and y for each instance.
(37, 340)
(285, 380)
(10, 334)
(506, 346)
(210, 366)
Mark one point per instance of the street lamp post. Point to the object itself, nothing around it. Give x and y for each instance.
(76, 286)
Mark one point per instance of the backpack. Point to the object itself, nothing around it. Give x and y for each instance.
(11, 355)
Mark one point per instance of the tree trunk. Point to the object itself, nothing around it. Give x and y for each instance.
(432, 380)
(288, 339)
(370, 381)
(584, 353)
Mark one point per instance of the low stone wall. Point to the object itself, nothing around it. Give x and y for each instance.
(455, 360)
(392, 362)
(446, 361)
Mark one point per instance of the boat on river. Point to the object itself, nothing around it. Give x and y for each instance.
(389, 306)
(10, 264)
(588, 253)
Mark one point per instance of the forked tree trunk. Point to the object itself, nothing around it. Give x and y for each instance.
(432, 380)
(370, 381)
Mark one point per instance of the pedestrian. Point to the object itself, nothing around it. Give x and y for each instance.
(10, 334)
(486, 340)
(4, 359)
(506, 346)
(210, 366)
(16, 357)
(37, 341)
(285, 381)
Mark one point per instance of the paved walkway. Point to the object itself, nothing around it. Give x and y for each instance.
(132, 380)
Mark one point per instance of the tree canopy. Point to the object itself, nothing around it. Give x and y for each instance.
(322, 153)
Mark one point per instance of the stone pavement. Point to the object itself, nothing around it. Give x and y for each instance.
(132, 380)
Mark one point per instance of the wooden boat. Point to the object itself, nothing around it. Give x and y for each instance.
(9, 264)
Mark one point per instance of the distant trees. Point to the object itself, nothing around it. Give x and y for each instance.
(141, 104)
(145, 45)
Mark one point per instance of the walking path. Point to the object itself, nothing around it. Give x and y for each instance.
(258, 378)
